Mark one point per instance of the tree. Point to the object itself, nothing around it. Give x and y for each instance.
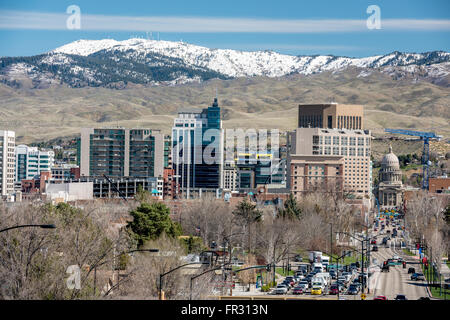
(247, 213)
(150, 220)
(291, 209)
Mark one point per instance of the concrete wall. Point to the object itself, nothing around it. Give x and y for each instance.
(70, 191)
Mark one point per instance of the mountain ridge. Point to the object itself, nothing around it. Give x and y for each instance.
(114, 64)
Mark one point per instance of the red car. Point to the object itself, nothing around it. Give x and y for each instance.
(334, 290)
(373, 241)
(298, 290)
(380, 298)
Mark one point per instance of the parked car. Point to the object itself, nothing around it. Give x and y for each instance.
(316, 290)
(401, 297)
(380, 298)
(411, 270)
(417, 276)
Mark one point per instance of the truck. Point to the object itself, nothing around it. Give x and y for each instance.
(317, 266)
(315, 256)
(324, 277)
(325, 261)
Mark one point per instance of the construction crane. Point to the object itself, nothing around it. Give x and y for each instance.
(425, 136)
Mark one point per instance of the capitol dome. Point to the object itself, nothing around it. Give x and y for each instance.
(390, 160)
(390, 168)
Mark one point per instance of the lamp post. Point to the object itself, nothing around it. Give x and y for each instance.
(42, 226)
(161, 275)
(204, 272)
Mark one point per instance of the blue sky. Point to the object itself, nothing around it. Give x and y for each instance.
(291, 27)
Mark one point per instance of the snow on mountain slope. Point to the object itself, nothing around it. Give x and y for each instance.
(236, 63)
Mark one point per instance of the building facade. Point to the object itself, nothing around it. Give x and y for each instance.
(30, 161)
(354, 146)
(7, 162)
(390, 186)
(197, 149)
(119, 152)
(330, 116)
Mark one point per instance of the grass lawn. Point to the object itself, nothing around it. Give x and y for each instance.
(407, 252)
(437, 292)
(283, 273)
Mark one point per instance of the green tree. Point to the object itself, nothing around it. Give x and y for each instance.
(150, 220)
(291, 209)
(248, 214)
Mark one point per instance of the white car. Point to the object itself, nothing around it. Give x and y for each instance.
(280, 289)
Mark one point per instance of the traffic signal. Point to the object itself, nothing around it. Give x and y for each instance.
(268, 268)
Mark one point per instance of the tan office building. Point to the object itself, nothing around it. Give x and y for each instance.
(331, 154)
(7, 162)
(332, 115)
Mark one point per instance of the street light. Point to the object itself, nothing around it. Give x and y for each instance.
(161, 275)
(42, 226)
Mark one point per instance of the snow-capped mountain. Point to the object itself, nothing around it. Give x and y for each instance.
(107, 62)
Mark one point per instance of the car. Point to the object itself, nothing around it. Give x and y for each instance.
(304, 283)
(411, 270)
(385, 268)
(417, 276)
(374, 248)
(352, 290)
(304, 286)
(316, 290)
(401, 297)
(298, 258)
(424, 298)
(298, 290)
(395, 257)
(380, 298)
(281, 289)
(333, 274)
(373, 241)
(334, 289)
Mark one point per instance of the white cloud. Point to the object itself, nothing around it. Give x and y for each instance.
(57, 21)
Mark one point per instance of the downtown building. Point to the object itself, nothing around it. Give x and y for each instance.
(330, 158)
(30, 162)
(330, 150)
(7, 163)
(197, 151)
(120, 152)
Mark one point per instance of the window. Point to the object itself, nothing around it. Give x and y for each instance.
(360, 152)
(352, 141)
(335, 151)
(336, 140)
(328, 140)
(343, 151)
(344, 141)
(360, 141)
(327, 150)
(352, 152)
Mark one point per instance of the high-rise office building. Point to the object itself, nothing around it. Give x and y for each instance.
(330, 116)
(30, 161)
(255, 169)
(7, 162)
(119, 152)
(348, 151)
(197, 149)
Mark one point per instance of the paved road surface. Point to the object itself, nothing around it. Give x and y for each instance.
(397, 280)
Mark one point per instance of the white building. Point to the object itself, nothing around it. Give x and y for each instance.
(7, 163)
(30, 161)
